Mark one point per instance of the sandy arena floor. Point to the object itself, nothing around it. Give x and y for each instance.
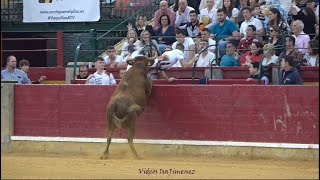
(46, 166)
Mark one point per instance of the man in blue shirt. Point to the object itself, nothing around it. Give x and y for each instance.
(231, 58)
(224, 31)
(12, 73)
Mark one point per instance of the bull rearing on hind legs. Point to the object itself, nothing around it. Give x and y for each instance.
(128, 100)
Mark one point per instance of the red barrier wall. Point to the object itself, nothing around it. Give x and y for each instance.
(249, 113)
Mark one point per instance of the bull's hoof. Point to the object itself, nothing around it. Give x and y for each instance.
(104, 157)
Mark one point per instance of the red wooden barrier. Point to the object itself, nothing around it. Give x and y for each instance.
(288, 114)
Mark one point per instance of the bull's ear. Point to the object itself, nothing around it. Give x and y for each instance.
(150, 62)
(130, 62)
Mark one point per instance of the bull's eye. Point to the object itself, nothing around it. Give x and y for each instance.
(130, 62)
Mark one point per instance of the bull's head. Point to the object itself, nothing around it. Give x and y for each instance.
(149, 61)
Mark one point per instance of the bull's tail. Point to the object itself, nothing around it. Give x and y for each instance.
(122, 110)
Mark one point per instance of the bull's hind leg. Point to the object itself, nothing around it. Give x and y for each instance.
(131, 133)
(106, 152)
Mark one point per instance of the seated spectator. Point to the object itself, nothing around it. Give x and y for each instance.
(208, 15)
(232, 12)
(249, 20)
(141, 25)
(12, 73)
(276, 19)
(243, 4)
(289, 74)
(231, 58)
(254, 73)
(165, 33)
(302, 38)
(292, 51)
(275, 39)
(188, 44)
(205, 35)
(246, 41)
(101, 76)
(182, 14)
(24, 66)
(122, 72)
(132, 39)
(224, 31)
(307, 16)
(270, 57)
(206, 57)
(257, 13)
(312, 56)
(195, 26)
(83, 72)
(164, 9)
(112, 60)
(191, 3)
(146, 39)
(204, 4)
(255, 54)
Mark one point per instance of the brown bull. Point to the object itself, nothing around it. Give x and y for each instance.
(128, 100)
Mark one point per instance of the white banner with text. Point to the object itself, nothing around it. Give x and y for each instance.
(61, 10)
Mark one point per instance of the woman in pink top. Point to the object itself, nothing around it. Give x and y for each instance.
(255, 54)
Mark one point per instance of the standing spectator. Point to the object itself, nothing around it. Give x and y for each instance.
(302, 38)
(246, 41)
(232, 12)
(101, 76)
(141, 24)
(249, 20)
(182, 14)
(195, 26)
(291, 50)
(308, 17)
(276, 39)
(112, 60)
(205, 35)
(187, 42)
(83, 72)
(312, 56)
(165, 33)
(255, 54)
(224, 31)
(12, 73)
(208, 15)
(289, 74)
(132, 39)
(254, 73)
(231, 58)
(164, 9)
(24, 66)
(192, 3)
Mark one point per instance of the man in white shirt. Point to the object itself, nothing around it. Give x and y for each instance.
(112, 59)
(208, 15)
(206, 57)
(101, 76)
(188, 43)
(249, 20)
(182, 15)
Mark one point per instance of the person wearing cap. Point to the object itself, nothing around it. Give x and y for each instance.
(101, 76)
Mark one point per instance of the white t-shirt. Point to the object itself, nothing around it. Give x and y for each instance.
(174, 57)
(102, 79)
(205, 61)
(273, 60)
(188, 41)
(118, 59)
(253, 21)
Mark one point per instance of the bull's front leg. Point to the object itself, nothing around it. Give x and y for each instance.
(106, 151)
(148, 86)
